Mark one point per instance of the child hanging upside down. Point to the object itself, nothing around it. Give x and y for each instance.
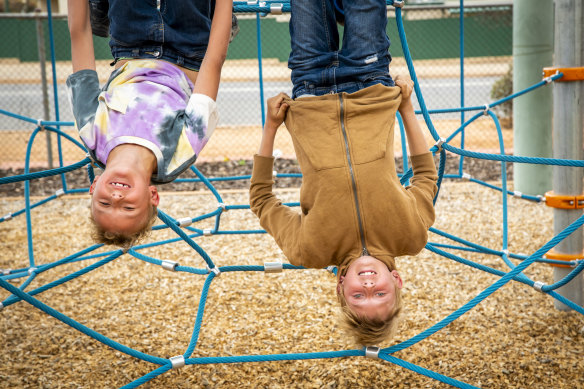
(157, 110)
(354, 213)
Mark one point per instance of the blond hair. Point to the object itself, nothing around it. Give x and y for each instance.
(124, 241)
(366, 331)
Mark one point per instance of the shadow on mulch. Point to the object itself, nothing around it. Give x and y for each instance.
(477, 168)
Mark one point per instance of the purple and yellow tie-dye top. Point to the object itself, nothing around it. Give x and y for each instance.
(148, 103)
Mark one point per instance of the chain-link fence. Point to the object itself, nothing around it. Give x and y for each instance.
(433, 35)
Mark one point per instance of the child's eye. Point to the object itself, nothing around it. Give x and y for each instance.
(357, 296)
(380, 294)
(104, 203)
(129, 208)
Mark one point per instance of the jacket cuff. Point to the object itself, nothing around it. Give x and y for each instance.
(423, 162)
(262, 168)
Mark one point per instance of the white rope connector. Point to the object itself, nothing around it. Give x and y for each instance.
(32, 270)
(506, 252)
(273, 267)
(8, 216)
(541, 199)
(169, 265)
(178, 361)
(331, 268)
(59, 192)
(276, 8)
(517, 193)
(274, 173)
(1, 306)
(222, 206)
(277, 153)
(466, 176)
(548, 79)
(372, 352)
(398, 3)
(439, 143)
(207, 232)
(214, 270)
(185, 222)
(5, 272)
(538, 285)
(486, 110)
(40, 124)
(252, 2)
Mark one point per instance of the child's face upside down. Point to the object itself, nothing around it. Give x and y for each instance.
(369, 288)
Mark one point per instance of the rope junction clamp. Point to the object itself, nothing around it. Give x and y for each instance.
(169, 265)
(185, 222)
(398, 3)
(1, 306)
(276, 8)
(59, 192)
(517, 193)
(40, 124)
(372, 352)
(274, 173)
(563, 257)
(32, 270)
(207, 232)
(568, 74)
(5, 272)
(178, 361)
(214, 270)
(223, 207)
(8, 216)
(538, 285)
(331, 268)
(439, 143)
(273, 267)
(564, 201)
(466, 176)
(486, 110)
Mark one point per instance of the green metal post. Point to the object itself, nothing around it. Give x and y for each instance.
(533, 32)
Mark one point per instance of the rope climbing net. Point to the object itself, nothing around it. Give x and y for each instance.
(186, 230)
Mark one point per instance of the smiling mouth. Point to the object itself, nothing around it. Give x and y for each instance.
(120, 185)
(367, 273)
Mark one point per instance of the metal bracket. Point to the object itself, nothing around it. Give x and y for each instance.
(276, 8)
(178, 361)
(169, 265)
(32, 270)
(8, 216)
(59, 192)
(207, 232)
(439, 143)
(466, 176)
(486, 110)
(398, 3)
(372, 352)
(214, 270)
(223, 207)
(273, 267)
(538, 285)
(517, 193)
(40, 124)
(185, 222)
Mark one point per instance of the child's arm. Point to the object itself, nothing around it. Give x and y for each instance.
(82, 54)
(210, 71)
(416, 140)
(277, 109)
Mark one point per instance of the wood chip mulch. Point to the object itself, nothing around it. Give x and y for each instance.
(515, 338)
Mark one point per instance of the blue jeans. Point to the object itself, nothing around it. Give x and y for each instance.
(318, 66)
(177, 31)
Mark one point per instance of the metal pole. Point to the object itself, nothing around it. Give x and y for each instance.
(533, 31)
(42, 61)
(567, 138)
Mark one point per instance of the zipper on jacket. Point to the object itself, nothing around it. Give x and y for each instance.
(353, 182)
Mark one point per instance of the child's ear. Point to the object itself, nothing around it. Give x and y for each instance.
(93, 184)
(398, 281)
(154, 197)
(340, 284)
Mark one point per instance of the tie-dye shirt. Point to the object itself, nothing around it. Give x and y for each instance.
(148, 103)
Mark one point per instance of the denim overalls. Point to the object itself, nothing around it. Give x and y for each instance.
(318, 67)
(173, 30)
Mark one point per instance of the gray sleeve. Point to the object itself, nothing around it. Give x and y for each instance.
(83, 89)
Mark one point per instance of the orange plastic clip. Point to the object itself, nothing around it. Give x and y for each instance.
(564, 201)
(563, 257)
(569, 74)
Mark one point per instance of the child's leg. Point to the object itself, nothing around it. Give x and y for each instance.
(315, 44)
(365, 57)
